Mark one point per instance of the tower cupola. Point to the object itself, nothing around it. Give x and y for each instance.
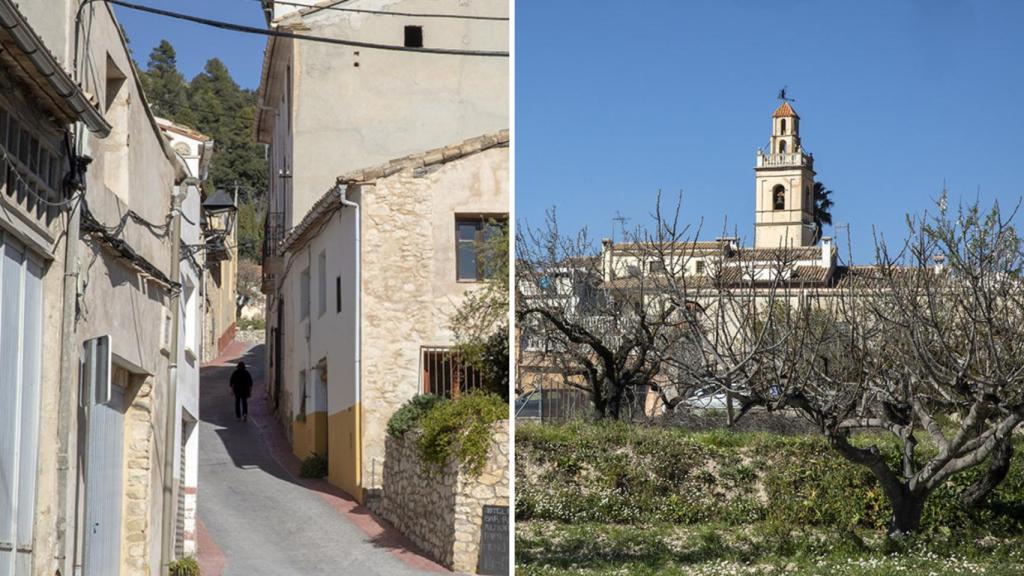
(784, 176)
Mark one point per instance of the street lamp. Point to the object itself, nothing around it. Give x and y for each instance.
(219, 213)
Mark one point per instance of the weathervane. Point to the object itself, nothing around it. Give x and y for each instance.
(782, 95)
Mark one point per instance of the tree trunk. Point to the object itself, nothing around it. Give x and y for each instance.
(615, 406)
(998, 467)
(907, 508)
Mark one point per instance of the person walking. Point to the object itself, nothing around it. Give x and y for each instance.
(241, 385)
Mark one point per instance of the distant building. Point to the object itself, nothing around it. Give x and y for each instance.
(194, 151)
(784, 252)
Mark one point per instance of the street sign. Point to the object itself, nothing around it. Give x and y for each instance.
(96, 363)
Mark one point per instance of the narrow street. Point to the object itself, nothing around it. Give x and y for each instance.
(258, 518)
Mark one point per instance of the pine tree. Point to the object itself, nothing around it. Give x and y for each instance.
(165, 87)
(225, 112)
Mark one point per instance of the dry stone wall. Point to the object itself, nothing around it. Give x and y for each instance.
(442, 511)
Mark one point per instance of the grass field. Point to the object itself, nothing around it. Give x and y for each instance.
(620, 499)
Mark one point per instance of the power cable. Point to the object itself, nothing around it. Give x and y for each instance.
(323, 39)
(384, 13)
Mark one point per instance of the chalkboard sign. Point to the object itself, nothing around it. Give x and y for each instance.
(493, 559)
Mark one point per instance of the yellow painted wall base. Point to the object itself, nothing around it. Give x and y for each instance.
(344, 452)
(310, 436)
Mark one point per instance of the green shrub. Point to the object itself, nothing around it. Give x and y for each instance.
(408, 416)
(618, 473)
(314, 466)
(257, 323)
(187, 566)
(461, 430)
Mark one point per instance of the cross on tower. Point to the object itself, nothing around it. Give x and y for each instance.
(621, 220)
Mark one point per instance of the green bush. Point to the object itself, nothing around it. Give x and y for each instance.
(408, 416)
(461, 430)
(257, 323)
(618, 473)
(314, 466)
(187, 566)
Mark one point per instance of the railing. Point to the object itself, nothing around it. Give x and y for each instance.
(784, 159)
(445, 375)
(274, 232)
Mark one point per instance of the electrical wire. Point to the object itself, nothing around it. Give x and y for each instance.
(384, 13)
(158, 230)
(323, 39)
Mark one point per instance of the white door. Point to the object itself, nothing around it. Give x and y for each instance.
(20, 343)
(103, 489)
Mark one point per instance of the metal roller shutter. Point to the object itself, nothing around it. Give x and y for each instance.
(20, 356)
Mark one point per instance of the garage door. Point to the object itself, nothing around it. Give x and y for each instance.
(20, 342)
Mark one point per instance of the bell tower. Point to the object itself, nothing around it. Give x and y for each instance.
(784, 176)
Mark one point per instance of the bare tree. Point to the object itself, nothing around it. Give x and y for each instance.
(606, 332)
(925, 346)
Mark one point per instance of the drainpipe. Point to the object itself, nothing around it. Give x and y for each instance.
(67, 409)
(342, 191)
(171, 420)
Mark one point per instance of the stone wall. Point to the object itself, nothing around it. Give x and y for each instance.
(442, 512)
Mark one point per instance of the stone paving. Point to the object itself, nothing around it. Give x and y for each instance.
(257, 517)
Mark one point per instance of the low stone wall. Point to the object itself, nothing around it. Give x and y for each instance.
(442, 512)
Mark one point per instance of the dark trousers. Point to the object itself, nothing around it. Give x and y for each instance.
(241, 406)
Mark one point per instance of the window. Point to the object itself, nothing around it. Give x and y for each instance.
(337, 293)
(321, 284)
(472, 235)
(414, 36)
(782, 126)
(655, 267)
(444, 375)
(782, 146)
(30, 171)
(779, 197)
(700, 266)
(808, 202)
(304, 295)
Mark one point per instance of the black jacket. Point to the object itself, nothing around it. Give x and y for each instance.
(241, 382)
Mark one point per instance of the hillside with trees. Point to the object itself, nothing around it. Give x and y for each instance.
(214, 104)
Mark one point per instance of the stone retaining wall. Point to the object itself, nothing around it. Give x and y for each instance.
(442, 513)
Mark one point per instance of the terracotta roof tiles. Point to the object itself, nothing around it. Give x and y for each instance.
(784, 109)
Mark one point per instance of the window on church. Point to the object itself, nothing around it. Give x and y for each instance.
(782, 146)
(782, 124)
(779, 198)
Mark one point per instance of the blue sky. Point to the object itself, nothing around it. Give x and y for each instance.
(615, 101)
(194, 43)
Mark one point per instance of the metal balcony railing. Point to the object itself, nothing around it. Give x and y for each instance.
(274, 232)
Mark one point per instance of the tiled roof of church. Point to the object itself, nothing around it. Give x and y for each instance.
(784, 109)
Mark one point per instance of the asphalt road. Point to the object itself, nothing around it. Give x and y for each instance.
(262, 521)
